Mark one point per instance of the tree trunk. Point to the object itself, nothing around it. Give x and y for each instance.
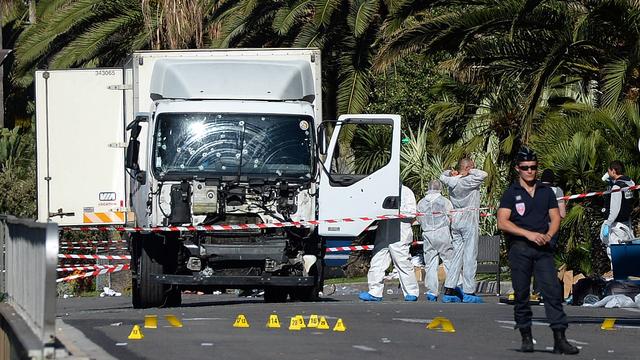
(32, 12)
(1, 79)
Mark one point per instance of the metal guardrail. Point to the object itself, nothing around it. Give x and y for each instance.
(28, 279)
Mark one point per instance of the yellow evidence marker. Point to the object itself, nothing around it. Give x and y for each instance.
(301, 321)
(151, 321)
(442, 324)
(274, 322)
(339, 326)
(608, 324)
(241, 322)
(136, 334)
(173, 321)
(313, 321)
(294, 324)
(323, 324)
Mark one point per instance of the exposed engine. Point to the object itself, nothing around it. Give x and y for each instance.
(249, 251)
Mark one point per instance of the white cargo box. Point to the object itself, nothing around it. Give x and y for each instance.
(80, 135)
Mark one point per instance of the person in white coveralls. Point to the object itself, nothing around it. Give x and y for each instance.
(393, 239)
(464, 192)
(435, 222)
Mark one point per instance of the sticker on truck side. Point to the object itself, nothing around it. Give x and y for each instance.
(103, 217)
(107, 196)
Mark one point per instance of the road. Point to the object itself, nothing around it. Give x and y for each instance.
(392, 329)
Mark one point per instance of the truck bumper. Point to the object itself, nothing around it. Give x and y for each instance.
(236, 281)
(251, 252)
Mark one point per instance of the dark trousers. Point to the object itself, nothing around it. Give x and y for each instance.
(527, 260)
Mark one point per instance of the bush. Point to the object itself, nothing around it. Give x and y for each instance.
(17, 173)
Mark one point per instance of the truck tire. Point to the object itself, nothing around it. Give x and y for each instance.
(310, 293)
(274, 294)
(149, 257)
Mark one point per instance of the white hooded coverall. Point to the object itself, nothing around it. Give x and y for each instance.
(393, 239)
(619, 232)
(436, 235)
(464, 192)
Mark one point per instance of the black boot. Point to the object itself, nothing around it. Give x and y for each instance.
(527, 340)
(561, 345)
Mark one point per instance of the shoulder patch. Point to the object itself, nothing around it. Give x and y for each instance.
(518, 197)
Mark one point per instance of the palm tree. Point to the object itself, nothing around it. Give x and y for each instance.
(578, 142)
(82, 33)
(79, 33)
(346, 31)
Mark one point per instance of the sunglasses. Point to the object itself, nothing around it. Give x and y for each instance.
(526, 168)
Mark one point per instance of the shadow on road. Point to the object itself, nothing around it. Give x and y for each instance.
(239, 301)
(633, 321)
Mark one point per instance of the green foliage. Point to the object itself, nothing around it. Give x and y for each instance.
(469, 78)
(346, 32)
(406, 89)
(78, 33)
(17, 173)
(371, 148)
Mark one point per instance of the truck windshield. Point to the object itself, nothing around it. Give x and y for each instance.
(232, 144)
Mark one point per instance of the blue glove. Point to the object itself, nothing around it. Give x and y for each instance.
(604, 233)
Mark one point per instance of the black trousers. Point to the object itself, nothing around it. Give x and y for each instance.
(527, 260)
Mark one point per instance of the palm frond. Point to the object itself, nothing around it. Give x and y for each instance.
(324, 10)
(309, 36)
(614, 76)
(286, 17)
(361, 15)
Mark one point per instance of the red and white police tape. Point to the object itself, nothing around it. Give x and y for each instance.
(598, 193)
(301, 223)
(308, 223)
(350, 248)
(83, 267)
(97, 248)
(95, 273)
(94, 257)
(90, 242)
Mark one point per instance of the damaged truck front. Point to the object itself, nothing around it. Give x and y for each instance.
(180, 140)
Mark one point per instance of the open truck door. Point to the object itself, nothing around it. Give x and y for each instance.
(80, 137)
(356, 180)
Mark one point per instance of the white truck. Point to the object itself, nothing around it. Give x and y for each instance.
(206, 137)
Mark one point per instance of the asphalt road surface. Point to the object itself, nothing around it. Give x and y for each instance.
(392, 329)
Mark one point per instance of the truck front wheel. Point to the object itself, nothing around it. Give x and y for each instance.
(149, 256)
(275, 294)
(310, 293)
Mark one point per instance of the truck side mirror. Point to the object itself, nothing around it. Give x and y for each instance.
(131, 162)
(322, 139)
(133, 149)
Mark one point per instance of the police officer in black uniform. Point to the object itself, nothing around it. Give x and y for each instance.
(529, 217)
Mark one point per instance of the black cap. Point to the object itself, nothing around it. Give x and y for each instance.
(526, 154)
(547, 176)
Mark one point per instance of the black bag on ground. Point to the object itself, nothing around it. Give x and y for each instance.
(622, 287)
(593, 285)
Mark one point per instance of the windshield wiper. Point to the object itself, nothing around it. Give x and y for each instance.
(241, 150)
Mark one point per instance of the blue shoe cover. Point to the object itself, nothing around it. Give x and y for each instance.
(431, 297)
(410, 298)
(459, 292)
(365, 296)
(472, 299)
(450, 299)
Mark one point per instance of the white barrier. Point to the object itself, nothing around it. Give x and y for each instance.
(29, 280)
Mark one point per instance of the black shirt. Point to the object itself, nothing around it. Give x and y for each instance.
(529, 213)
(626, 204)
